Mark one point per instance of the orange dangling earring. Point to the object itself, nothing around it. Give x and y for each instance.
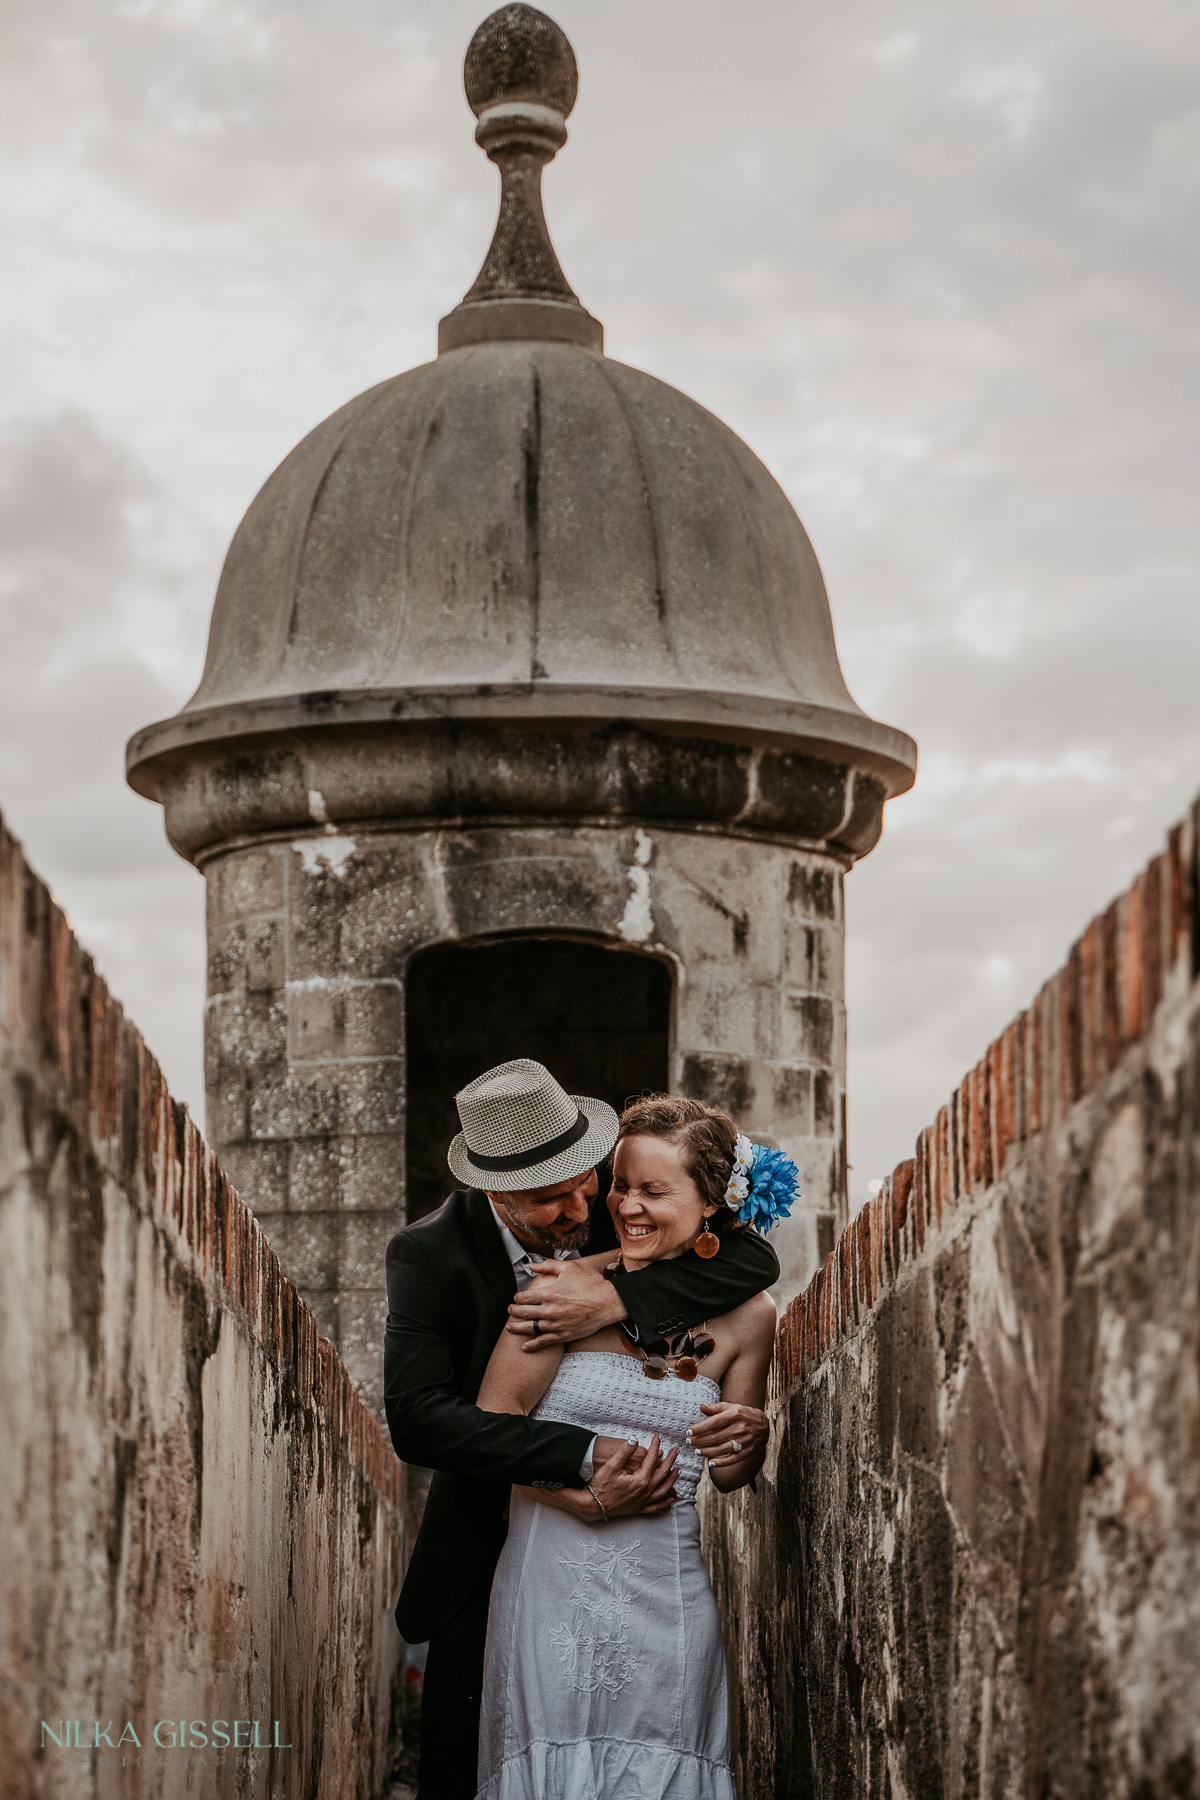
(708, 1243)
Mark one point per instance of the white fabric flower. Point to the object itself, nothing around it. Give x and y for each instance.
(739, 1180)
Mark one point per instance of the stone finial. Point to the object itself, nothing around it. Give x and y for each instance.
(518, 55)
(521, 80)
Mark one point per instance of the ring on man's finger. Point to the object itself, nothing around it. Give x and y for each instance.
(537, 1326)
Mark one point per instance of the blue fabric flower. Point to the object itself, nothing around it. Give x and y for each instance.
(774, 1188)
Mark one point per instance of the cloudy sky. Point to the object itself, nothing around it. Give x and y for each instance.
(937, 263)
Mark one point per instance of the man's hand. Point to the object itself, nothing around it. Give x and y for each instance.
(728, 1426)
(625, 1490)
(567, 1302)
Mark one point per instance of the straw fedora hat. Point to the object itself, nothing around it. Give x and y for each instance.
(522, 1130)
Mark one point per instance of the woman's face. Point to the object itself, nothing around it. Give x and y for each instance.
(656, 1206)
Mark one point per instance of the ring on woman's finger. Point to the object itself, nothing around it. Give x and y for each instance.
(734, 1445)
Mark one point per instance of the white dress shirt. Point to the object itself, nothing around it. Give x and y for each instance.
(524, 1263)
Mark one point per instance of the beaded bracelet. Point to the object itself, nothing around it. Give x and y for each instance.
(599, 1502)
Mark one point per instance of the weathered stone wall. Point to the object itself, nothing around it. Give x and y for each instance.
(200, 1518)
(310, 939)
(973, 1563)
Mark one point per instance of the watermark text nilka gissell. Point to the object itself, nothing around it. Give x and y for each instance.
(167, 1734)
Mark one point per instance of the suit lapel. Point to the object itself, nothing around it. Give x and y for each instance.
(490, 1254)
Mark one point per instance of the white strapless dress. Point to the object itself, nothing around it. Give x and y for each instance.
(605, 1677)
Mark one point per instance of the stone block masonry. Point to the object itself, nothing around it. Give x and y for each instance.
(972, 1567)
(200, 1518)
(311, 956)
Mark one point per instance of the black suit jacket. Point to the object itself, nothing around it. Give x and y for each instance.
(450, 1283)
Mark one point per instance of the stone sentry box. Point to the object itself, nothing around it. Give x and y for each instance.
(521, 651)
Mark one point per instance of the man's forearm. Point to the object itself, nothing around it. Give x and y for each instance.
(576, 1501)
(570, 1301)
(460, 1439)
(674, 1295)
(433, 1426)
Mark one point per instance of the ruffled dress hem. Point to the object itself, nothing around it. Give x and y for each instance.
(582, 1768)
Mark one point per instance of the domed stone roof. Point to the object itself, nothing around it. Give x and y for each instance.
(524, 529)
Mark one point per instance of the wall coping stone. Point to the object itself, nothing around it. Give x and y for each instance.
(57, 1011)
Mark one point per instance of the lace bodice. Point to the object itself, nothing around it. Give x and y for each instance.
(606, 1392)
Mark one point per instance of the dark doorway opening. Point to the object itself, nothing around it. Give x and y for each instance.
(598, 1018)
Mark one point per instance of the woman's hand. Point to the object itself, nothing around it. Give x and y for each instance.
(730, 1434)
(630, 1483)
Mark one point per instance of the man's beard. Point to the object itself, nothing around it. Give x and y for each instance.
(546, 1239)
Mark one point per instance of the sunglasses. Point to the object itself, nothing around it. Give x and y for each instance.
(683, 1358)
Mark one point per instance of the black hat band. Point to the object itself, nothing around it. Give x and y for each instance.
(525, 1159)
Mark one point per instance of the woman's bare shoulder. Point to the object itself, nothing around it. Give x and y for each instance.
(751, 1324)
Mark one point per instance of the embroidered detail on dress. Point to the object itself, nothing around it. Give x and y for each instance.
(594, 1646)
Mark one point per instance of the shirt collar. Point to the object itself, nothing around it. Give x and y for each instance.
(515, 1252)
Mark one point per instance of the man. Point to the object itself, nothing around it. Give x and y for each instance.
(527, 1155)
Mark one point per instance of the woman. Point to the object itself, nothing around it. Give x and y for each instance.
(605, 1675)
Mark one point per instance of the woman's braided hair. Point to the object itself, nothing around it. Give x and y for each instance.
(705, 1137)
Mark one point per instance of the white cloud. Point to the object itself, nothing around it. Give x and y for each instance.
(895, 49)
(80, 577)
(1014, 90)
(941, 272)
(1172, 159)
